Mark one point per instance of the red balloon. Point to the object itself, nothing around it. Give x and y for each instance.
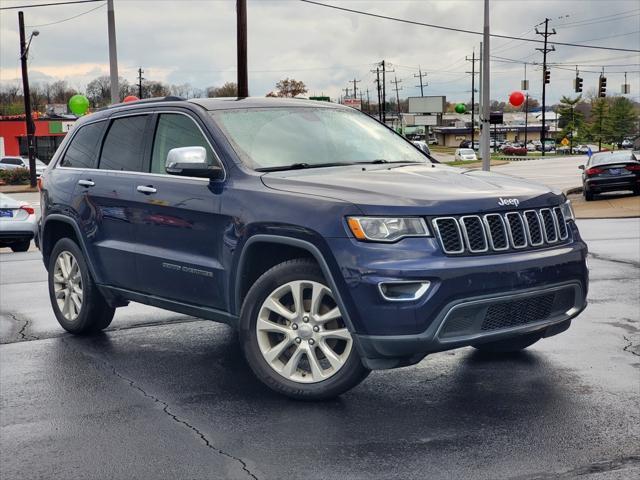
(516, 99)
(131, 98)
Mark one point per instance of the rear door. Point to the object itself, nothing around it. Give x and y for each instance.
(181, 229)
(106, 196)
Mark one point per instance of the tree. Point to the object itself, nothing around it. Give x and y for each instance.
(597, 125)
(288, 88)
(620, 122)
(229, 89)
(571, 119)
(152, 88)
(99, 90)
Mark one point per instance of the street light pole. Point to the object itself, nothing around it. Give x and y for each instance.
(31, 127)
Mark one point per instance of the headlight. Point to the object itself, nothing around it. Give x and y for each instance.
(567, 211)
(385, 229)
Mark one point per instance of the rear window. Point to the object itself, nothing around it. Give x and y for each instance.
(11, 161)
(604, 158)
(466, 151)
(123, 148)
(83, 149)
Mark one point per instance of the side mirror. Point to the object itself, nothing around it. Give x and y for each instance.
(581, 167)
(191, 162)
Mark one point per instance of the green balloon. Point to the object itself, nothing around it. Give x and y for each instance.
(461, 108)
(79, 104)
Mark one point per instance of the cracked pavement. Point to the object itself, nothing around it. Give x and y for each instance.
(166, 396)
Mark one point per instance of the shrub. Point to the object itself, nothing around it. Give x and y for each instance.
(16, 176)
(521, 151)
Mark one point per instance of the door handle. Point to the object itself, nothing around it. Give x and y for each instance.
(86, 183)
(146, 189)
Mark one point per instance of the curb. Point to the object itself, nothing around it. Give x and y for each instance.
(572, 190)
(17, 189)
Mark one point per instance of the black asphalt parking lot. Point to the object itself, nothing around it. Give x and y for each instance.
(161, 395)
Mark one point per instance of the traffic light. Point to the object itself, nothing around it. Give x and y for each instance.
(602, 86)
(577, 84)
(547, 76)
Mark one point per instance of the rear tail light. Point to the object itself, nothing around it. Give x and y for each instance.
(28, 209)
(594, 171)
(633, 168)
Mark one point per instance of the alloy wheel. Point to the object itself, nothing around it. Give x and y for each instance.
(301, 333)
(67, 285)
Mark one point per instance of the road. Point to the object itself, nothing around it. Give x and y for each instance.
(558, 172)
(160, 395)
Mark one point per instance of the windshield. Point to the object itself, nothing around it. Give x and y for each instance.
(466, 151)
(273, 138)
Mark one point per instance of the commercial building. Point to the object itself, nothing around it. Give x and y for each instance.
(48, 136)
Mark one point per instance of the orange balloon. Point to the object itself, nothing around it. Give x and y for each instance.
(131, 98)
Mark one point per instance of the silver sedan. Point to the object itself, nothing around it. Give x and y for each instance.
(18, 225)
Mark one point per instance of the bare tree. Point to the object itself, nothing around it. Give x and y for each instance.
(229, 89)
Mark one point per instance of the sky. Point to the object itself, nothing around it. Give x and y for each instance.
(180, 41)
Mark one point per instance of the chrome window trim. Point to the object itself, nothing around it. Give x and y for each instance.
(555, 227)
(557, 212)
(466, 235)
(129, 172)
(437, 229)
(528, 230)
(147, 112)
(490, 235)
(506, 215)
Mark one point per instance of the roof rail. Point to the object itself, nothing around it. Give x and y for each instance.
(170, 98)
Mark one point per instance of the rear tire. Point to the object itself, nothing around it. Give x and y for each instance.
(77, 303)
(588, 196)
(510, 345)
(294, 337)
(21, 246)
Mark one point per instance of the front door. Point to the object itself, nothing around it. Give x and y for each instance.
(180, 229)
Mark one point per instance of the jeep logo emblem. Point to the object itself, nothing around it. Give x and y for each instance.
(508, 201)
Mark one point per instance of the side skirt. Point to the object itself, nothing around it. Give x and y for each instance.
(117, 295)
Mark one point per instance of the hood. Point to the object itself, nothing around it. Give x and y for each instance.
(425, 189)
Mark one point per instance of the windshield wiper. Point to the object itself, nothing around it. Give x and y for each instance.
(382, 160)
(300, 166)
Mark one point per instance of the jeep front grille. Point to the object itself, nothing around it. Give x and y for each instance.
(495, 232)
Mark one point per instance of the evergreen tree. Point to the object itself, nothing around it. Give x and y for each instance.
(620, 122)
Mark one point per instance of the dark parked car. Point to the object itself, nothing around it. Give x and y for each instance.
(610, 172)
(329, 241)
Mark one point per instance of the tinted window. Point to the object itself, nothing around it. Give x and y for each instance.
(123, 148)
(83, 149)
(175, 131)
(12, 161)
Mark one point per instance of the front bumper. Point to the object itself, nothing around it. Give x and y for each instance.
(399, 333)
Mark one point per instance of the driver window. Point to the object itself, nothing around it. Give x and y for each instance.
(174, 131)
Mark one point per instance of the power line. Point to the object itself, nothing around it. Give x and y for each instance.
(49, 4)
(67, 19)
(461, 30)
(592, 20)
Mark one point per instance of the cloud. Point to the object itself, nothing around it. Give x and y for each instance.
(194, 41)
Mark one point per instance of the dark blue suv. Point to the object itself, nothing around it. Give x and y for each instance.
(332, 244)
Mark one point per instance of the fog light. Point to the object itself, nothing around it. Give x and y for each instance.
(403, 291)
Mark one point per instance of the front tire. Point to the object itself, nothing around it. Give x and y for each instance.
(77, 303)
(510, 345)
(294, 337)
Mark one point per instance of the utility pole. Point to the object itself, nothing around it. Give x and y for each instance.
(545, 76)
(355, 89)
(346, 92)
(31, 127)
(486, 89)
(368, 103)
(241, 31)
(396, 82)
(473, 61)
(383, 64)
(113, 54)
(422, 85)
(140, 78)
(525, 87)
(377, 80)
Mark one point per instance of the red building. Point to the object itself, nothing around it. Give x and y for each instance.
(49, 135)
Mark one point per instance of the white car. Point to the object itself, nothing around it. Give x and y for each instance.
(12, 163)
(465, 154)
(18, 224)
(422, 146)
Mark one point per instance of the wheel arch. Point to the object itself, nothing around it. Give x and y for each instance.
(307, 249)
(58, 226)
